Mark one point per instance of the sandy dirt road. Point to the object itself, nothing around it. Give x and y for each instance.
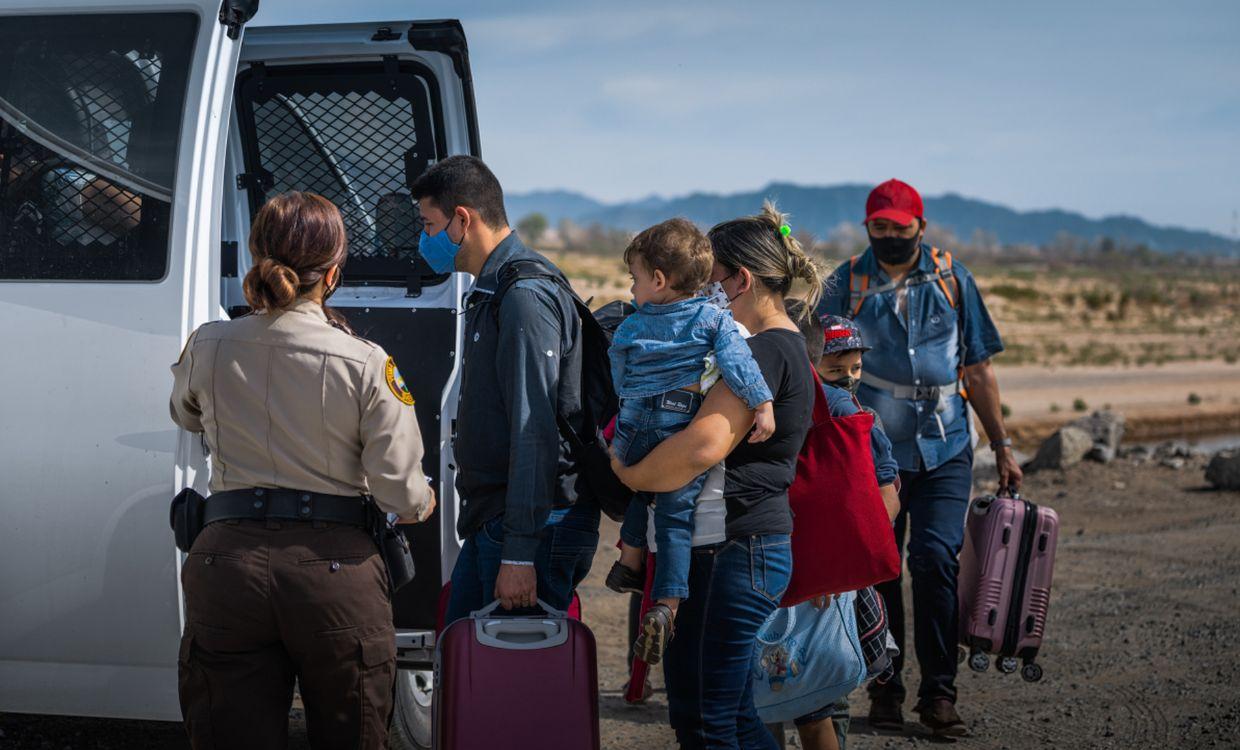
(1141, 652)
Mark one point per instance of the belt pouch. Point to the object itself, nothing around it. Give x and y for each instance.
(186, 516)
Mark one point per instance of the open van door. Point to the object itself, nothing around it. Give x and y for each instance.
(356, 112)
(111, 157)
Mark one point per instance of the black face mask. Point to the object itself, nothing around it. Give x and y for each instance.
(848, 383)
(894, 251)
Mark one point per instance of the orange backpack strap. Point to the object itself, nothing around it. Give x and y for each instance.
(947, 279)
(857, 284)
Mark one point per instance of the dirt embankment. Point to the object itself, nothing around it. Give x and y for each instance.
(1140, 651)
(1183, 400)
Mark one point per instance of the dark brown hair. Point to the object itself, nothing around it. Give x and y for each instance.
(294, 240)
(463, 180)
(774, 258)
(678, 249)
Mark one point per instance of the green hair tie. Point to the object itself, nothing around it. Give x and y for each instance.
(785, 230)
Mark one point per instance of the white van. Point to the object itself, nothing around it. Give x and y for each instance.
(136, 141)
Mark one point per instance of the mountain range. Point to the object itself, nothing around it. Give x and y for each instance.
(821, 210)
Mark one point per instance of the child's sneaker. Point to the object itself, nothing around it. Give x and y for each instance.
(656, 630)
(625, 580)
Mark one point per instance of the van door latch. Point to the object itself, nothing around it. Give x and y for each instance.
(260, 178)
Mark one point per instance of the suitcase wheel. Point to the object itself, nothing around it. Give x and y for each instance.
(1031, 672)
(1007, 665)
(978, 661)
(960, 655)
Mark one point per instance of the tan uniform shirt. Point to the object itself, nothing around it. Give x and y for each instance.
(286, 400)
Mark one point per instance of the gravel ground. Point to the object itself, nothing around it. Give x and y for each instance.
(1140, 650)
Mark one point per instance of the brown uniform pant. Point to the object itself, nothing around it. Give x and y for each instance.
(267, 602)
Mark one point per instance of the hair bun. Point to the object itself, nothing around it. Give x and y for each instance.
(270, 285)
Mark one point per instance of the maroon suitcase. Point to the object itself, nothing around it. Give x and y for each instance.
(516, 682)
(1005, 582)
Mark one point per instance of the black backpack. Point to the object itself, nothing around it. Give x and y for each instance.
(599, 405)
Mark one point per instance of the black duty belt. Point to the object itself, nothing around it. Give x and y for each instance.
(265, 503)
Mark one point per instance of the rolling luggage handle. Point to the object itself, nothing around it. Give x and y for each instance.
(520, 633)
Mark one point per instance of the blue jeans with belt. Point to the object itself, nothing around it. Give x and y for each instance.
(644, 423)
(733, 587)
(934, 506)
(565, 553)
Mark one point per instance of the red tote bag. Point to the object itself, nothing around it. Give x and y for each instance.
(841, 537)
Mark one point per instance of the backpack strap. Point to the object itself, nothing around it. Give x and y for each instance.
(858, 283)
(950, 287)
(946, 277)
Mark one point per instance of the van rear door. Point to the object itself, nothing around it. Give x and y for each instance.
(356, 112)
(110, 165)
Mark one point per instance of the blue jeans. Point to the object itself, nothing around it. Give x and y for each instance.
(643, 424)
(569, 541)
(734, 586)
(934, 506)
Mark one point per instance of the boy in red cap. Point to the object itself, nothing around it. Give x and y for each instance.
(931, 334)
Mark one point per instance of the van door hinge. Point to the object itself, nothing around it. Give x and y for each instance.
(228, 259)
(235, 13)
(391, 69)
(413, 285)
(260, 178)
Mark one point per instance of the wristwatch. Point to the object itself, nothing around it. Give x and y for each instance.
(1004, 443)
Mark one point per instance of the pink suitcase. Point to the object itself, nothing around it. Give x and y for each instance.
(1005, 582)
(516, 683)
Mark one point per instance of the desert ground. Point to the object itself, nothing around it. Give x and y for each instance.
(1140, 651)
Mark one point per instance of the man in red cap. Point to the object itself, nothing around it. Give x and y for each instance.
(931, 335)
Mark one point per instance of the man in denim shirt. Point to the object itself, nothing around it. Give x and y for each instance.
(931, 334)
(525, 535)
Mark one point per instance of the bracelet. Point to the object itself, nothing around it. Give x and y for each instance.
(518, 563)
(1004, 443)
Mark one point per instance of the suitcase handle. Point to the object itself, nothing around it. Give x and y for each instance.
(520, 633)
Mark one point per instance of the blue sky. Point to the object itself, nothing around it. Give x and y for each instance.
(1103, 107)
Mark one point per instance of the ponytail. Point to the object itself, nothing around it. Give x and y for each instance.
(764, 245)
(270, 285)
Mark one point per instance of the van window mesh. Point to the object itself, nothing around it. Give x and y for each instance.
(347, 147)
(88, 134)
(348, 133)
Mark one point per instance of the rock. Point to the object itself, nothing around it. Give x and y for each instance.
(1063, 449)
(1106, 429)
(1174, 462)
(1224, 470)
(1103, 454)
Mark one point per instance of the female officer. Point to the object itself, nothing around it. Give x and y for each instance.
(302, 418)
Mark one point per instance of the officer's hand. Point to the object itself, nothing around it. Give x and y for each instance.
(516, 586)
(427, 510)
(1010, 475)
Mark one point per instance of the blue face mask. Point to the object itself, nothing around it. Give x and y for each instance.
(439, 250)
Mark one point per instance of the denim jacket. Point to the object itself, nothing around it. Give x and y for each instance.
(924, 346)
(519, 367)
(661, 348)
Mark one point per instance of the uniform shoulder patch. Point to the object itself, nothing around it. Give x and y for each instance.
(396, 383)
